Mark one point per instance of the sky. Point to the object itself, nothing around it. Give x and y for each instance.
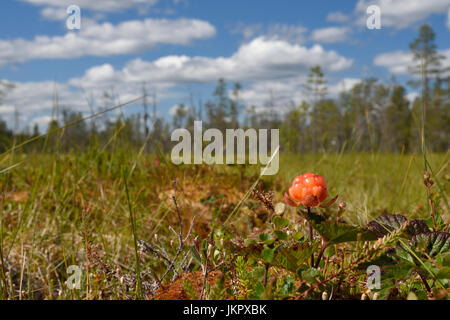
(180, 48)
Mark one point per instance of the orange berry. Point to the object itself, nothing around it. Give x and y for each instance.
(309, 189)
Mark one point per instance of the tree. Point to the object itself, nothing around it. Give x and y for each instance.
(315, 85)
(316, 90)
(426, 58)
(398, 118)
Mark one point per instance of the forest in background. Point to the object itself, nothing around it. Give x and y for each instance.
(371, 116)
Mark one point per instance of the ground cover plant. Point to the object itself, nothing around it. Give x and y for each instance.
(140, 227)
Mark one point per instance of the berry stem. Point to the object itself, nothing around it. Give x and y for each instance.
(324, 246)
(311, 236)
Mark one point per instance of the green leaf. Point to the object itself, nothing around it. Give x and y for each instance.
(416, 227)
(384, 224)
(329, 251)
(443, 273)
(280, 222)
(287, 286)
(196, 255)
(249, 241)
(297, 236)
(446, 260)
(432, 243)
(291, 258)
(258, 273)
(264, 236)
(310, 275)
(258, 291)
(337, 232)
(281, 235)
(268, 254)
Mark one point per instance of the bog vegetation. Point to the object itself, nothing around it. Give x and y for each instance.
(103, 195)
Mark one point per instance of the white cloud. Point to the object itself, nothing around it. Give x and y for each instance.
(7, 109)
(290, 33)
(412, 96)
(337, 17)
(42, 122)
(398, 62)
(342, 85)
(53, 13)
(174, 109)
(36, 99)
(288, 92)
(101, 6)
(247, 30)
(266, 64)
(106, 39)
(259, 60)
(274, 31)
(330, 35)
(402, 13)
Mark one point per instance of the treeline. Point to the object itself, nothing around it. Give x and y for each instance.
(370, 116)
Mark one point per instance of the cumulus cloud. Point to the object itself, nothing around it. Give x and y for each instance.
(330, 35)
(53, 13)
(106, 39)
(288, 92)
(342, 85)
(33, 99)
(260, 59)
(35, 102)
(397, 62)
(101, 6)
(402, 13)
(274, 31)
(262, 64)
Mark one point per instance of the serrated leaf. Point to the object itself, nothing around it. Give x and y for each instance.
(297, 236)
(310, 275)
(249, 241)
(258, 272)
(338, 232)
(264, 236)
(288, 285)
(432, 243)
(416, 227)
(268, 254)
(280, 222)
(446, 260)
(289, 257)
(292, 257)
(443, 273)
(384, 224)
(281, 235)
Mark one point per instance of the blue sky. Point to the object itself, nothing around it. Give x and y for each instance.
(182, 47)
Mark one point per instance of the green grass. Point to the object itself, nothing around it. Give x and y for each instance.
(59, 209)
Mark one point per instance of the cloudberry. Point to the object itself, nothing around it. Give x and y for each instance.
(308, 189)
